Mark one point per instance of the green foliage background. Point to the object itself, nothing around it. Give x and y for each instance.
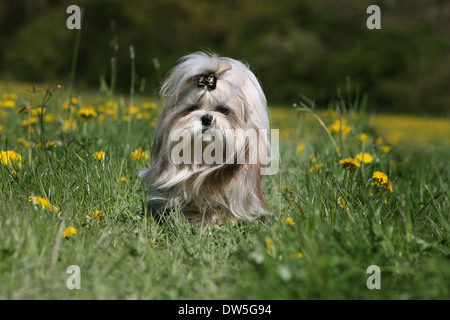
(294, 47)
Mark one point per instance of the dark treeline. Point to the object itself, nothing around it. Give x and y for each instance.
(306, 47)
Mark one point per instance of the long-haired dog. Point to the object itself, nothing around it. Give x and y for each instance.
(211, 142)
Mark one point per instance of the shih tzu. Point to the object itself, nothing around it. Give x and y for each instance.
(211, 146)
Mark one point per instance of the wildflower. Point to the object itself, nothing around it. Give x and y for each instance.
(288, 187)
(143, 115)
(288, 221)
(69, 232)
(9, 96)
(100, 155)
(70, 103)
(316, 167)
(1, 128)
(154, 123)
(27, 122)
(43, 203)
(123, 179)
(385, 149)
(98, 216)
(9, 103)
(24, 143)
(51, 144)
(139, 154)
(364, 157)
(15, 175)
(337, 127)
(87, 112)
(363, 137)
(297, 255)
(342, 203)
(379, 141)
(149, 105)
(349, 163)
(381, 181)
(132, 111)
(35, 111)
(10, 158)
(101, 119)
(269, 244)
(69, 125)
(109, 108)
(301, 147)
(50, 118)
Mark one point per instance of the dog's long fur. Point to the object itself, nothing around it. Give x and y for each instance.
(212, 193)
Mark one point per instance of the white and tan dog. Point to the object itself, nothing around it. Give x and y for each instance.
(211, 142)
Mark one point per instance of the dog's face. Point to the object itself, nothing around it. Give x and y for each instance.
(211, 103)
(206, 115)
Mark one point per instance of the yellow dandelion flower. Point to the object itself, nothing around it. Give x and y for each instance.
(9, 96)
(143, 115)
(337, 126)
(50, 118)
(123, 179)
(385, 149)
(27, 122)
(87, 113)
(42, 203)
(269, 243)
(97, 216)
(133, 110)
(342, 203)
(297, 255)
(349, 163)
(24, 143)
(9, 103)
(36, 111)
(363, 137)
(100, 155)
(101, 119)
(69, 125)
(288, 221)
(70, 103)
(15, 175)
(288, 187)
(316, 167)
(2, 128)
(381, 181)
(51, 144)
(69, 232)
(301, 147)
(11, 158)
(364, 157)
(379, 141)
(139, 154)
(154, 123)
(149, 105)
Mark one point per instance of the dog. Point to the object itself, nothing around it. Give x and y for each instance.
(211, 143)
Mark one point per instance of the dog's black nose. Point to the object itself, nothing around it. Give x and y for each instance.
(206, 120)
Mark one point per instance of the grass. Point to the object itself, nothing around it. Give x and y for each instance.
(327, 224)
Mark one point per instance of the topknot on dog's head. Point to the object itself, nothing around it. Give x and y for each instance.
(190, 67)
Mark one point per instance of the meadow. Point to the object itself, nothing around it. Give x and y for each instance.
(354, 189)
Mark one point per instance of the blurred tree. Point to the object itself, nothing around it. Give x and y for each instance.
(294, 47)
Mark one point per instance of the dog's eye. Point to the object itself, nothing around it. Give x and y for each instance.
(223, 109)
(193, 108)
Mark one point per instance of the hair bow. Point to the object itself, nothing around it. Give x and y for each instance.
(207, 80)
